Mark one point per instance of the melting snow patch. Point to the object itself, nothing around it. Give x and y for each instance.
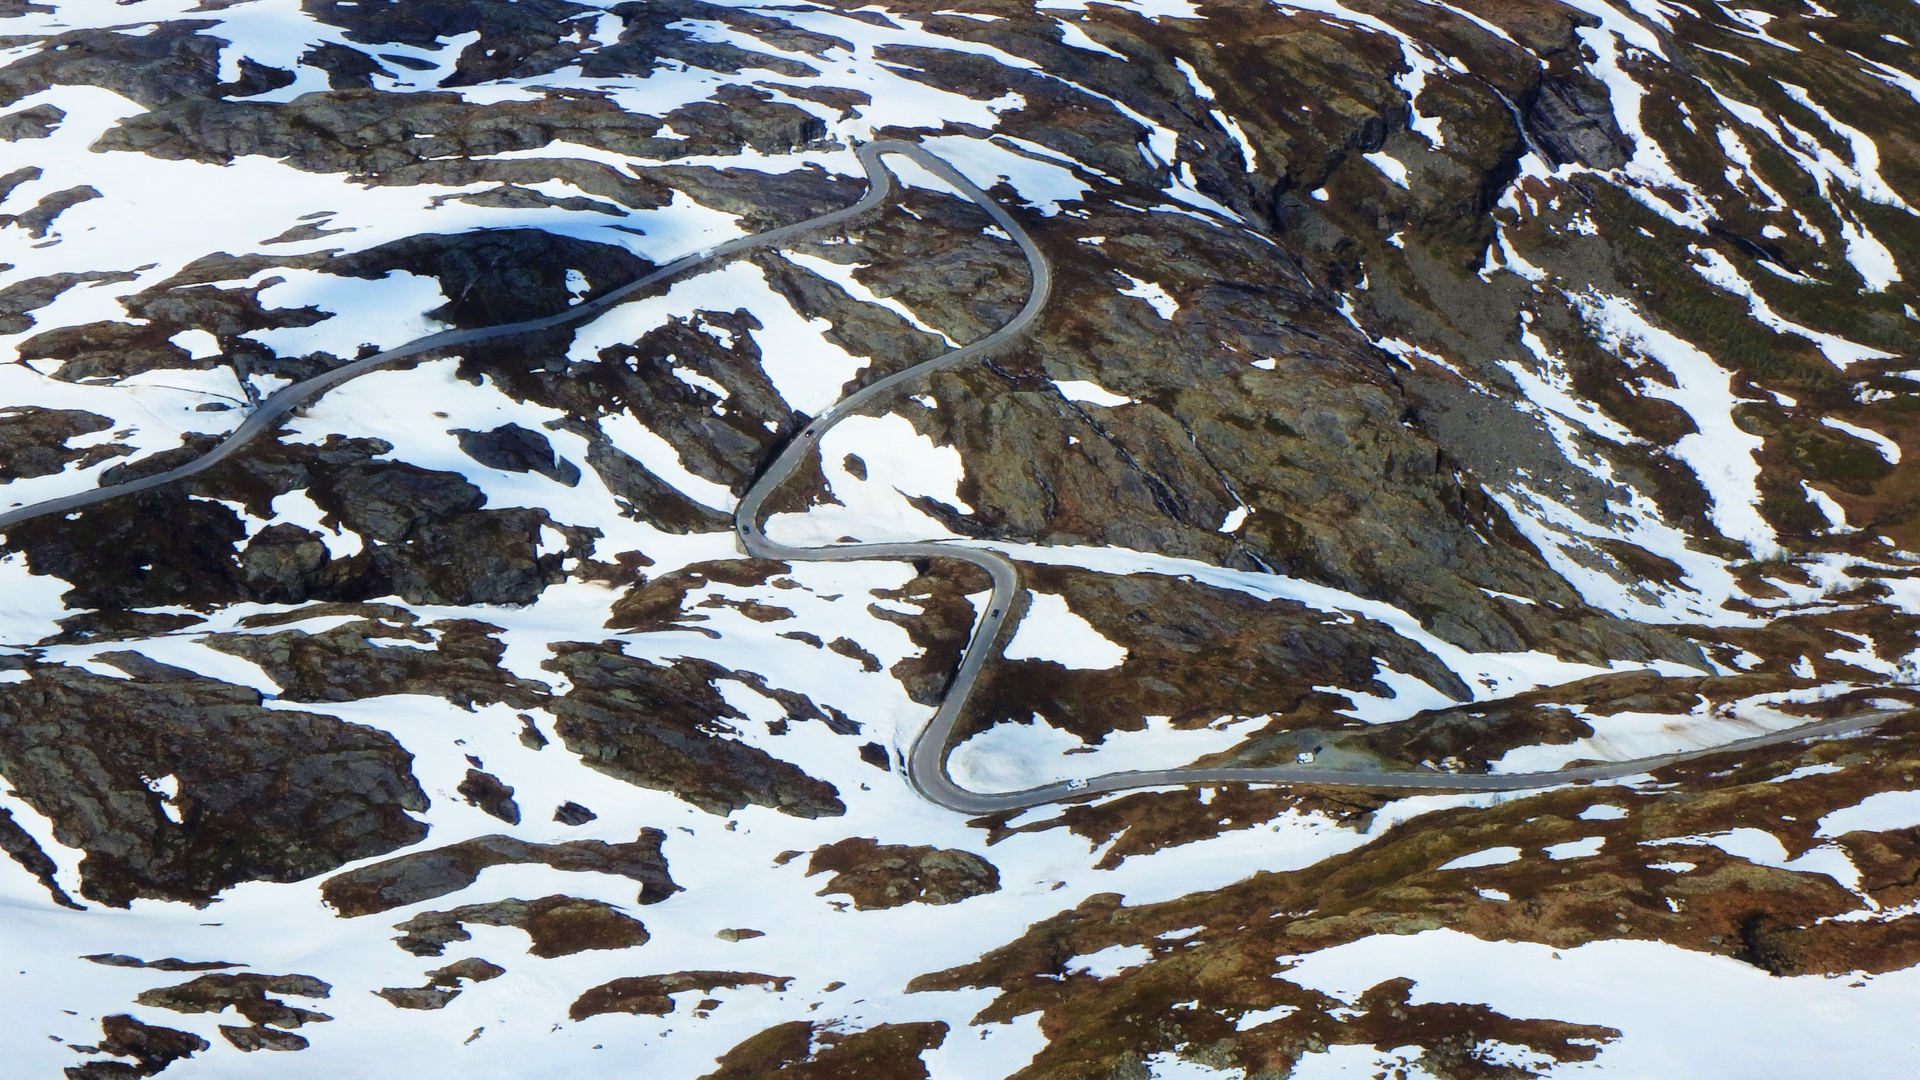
(638, 442)
(1263, 1016)
(1153, 294)
(900, 463)
(1577, 849)
(807, 369)
(1719, 452)
(199, 343)
(1410, 694)
(1111, 960)
(841, 274)
(1762, 848)
(1718, 271)
(1829, 507)
(1887, 447)
(168, 788)
(1013, 757)
(1051, 631)
(1602, 812)
(1491, 857)
(1623, 736)
(1235, 518)
(386, 311)
(1043, 184)
(1821, 769)
(1090, 392)
(1075, 38)
(1739, 1021)
(1875, 813)
(1493, 894)
(1391, 167)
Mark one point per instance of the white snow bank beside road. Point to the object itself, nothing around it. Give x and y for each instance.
(1013, 757)
(898, 463)
(387, 312)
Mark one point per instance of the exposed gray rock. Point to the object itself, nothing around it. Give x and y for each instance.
(558, 925)
(662, 727)
(424, 875)
(889, 875)
(264, 794)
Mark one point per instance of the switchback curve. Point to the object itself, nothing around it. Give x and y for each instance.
(926, 759)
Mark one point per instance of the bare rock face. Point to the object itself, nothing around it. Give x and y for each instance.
(498, 276)
(272, 795)
(424, 875)
(246, 994)
(426, 535)
(443, 984)
(32, 441)
(558, 925)
(650, 994)
(888, 875)
(350, 661)
(269, 1018)
(512, 448)
(799, 1050)
(151, 1047)
(661, 727)
(486, 791)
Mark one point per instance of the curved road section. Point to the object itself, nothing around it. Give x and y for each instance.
(926, 761)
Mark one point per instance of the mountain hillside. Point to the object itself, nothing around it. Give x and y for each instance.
(1418, 402)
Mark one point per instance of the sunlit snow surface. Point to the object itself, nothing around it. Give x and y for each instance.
(161, 215)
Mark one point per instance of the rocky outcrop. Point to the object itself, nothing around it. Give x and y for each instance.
(246, 995)
(443, 985)
(880, 875)
(664, 727)
(268, 1017)
(425, 535)
(650, 994)
(398, 136)
(425, 875)
(487, 792)
(347, 663)
(558, 926)
(151, 1047)
(263, 794)
(805, 1051)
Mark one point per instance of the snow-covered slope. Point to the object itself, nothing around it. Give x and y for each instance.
(1475, 388)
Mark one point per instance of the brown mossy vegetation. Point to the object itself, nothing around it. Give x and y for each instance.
(1644, 873)
(799, 1050)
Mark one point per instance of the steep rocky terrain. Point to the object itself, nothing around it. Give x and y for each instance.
(1472, 388)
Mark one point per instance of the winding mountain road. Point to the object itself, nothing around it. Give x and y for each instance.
(926, 760)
